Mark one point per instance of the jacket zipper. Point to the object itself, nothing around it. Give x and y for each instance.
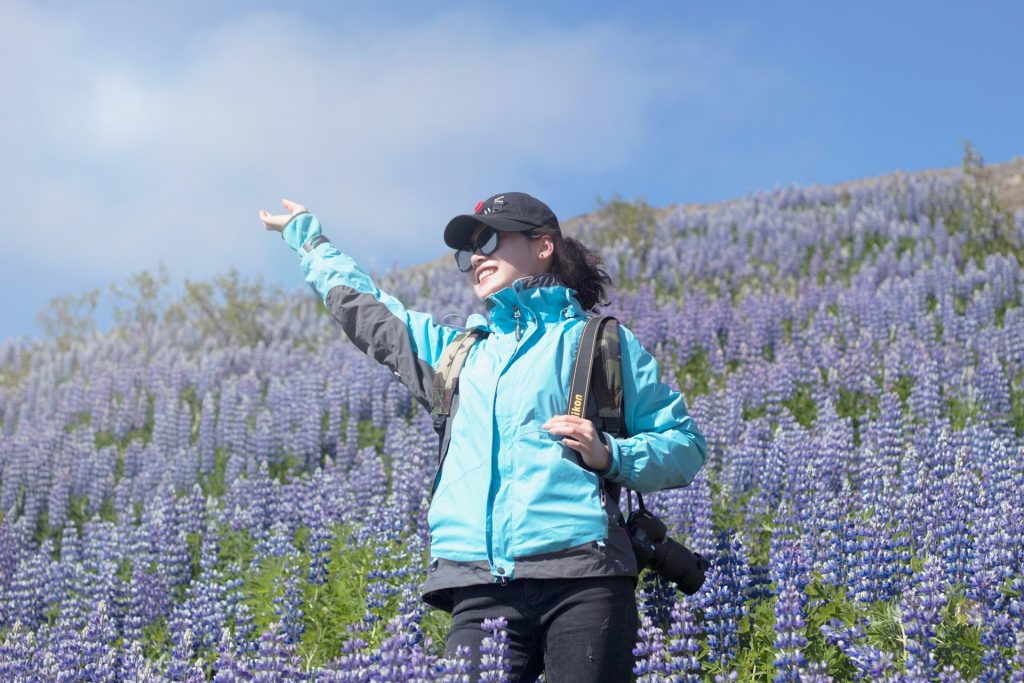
(515, 314)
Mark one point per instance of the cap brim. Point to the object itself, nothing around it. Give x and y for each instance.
(460, 229)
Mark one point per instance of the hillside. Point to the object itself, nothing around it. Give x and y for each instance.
(223, 486)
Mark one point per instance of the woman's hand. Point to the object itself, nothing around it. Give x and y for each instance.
(277, 223)
(581, 436)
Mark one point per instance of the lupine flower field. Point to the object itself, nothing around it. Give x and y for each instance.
(232, 492)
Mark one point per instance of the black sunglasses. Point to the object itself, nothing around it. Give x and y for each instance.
(486, 242)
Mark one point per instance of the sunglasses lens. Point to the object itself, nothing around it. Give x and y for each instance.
(486, 243)
(464, 259)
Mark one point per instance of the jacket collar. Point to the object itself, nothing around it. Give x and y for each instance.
(540, 298)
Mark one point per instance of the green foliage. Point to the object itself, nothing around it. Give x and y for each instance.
(633, 221)
(902, 387)
(156, 640)
(988, 226)
(885, 627)
(854, 405)
(958, 638)
(191, 399)
(905, 244)
(802, 406)
(332, 608)
(283, 470)
(1017, 405)
(370, 435)
(11, 377)
(213, 484)
(962, 412)
(141, 299)
(695, 375)
(756, 647)
(228, 308)
(68, 319)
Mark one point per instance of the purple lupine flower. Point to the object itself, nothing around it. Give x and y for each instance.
(203, 612)
(99, 659)
(456, 669)
(790, 574)
(276, 660)
(135, 668)
(921, 615)
(148, 598)
(683, 645)
(319, 547)
(1018, 659)
(182, 654)
(288, 606)
(17, 655)
(207, 442)
(723, 598)
(872, 664)
(949, 674)
(790, 640)
(229, 668)
(649, 665)
(401, 656)
(494, 663)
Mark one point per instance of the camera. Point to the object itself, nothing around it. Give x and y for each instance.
(671, 560)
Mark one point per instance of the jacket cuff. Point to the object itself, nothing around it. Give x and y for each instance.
(300, 229)
(614, 460)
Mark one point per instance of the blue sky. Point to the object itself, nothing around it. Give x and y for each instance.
(134, 134)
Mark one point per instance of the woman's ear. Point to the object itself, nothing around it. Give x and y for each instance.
(546, 247)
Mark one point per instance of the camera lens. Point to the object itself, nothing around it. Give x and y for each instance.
(680, 566)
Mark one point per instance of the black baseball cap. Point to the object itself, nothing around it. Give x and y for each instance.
(510, 211)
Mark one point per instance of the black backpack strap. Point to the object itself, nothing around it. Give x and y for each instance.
(607, 380)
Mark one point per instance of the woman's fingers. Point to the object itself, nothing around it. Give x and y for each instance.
(272, 222)
(294, 207)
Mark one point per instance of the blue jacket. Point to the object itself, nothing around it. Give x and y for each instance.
(511, 500)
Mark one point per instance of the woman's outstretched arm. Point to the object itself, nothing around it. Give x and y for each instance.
(407, 342)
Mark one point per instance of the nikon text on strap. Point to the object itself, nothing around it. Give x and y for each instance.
(605, 380)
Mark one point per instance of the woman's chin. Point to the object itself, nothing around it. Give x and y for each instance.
(487, 287)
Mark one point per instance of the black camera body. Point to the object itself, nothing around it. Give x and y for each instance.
(655, 549)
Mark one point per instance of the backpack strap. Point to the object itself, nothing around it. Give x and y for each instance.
(446, 386)
(446, 378)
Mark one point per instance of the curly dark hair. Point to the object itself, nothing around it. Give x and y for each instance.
(579, 267)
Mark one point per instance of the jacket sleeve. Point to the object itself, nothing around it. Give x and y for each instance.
(666, 449)
(407, 342)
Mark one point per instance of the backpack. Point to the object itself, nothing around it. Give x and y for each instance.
(604, 379)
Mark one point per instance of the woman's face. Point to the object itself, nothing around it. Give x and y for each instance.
(516, 256)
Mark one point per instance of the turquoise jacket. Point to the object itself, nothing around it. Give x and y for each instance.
(511, 500)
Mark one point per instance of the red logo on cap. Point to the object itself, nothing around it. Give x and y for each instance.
(478, 207)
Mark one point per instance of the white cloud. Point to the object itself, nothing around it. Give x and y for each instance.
(386, 131)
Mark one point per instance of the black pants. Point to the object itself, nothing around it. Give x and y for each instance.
(578, 630)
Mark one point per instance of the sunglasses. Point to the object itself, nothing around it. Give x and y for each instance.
(486, 243)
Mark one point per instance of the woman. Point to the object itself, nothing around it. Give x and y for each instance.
(519, 523)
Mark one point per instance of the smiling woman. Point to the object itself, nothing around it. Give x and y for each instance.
(520, 525)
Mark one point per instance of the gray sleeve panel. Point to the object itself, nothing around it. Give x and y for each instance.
(378, 333)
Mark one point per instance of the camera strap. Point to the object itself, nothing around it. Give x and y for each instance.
(602, 380)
